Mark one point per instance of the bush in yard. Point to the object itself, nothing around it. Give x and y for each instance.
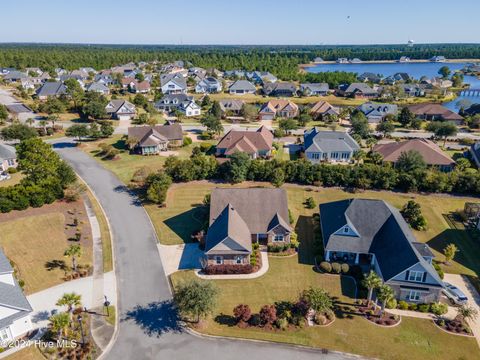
(326, 266)
(391, 304)
(268, 314)
(402, 305)
(330, 315)
(310, 203)
(12, 170)
(253, 261)
(242, 313)
(227, 269)
(412, 213)
(345, 268)
(438, 308)
(281, 323)
(205, 146)
(255, 320)
(424, 308)
(438, 269)
(412, 307)
(187, 141)
(320, 319)
(336, 268)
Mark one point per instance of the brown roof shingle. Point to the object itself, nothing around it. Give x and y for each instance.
(246, 141)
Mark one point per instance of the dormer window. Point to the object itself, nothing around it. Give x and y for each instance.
(415, 276)
(345, 230)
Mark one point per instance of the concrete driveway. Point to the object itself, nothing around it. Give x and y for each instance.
(6, 98)
(473, 298)
(180, 257)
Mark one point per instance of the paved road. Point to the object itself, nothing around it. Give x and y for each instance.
(148, 327)
(6, 98)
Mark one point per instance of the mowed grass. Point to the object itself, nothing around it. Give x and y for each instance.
(33, 241)
(286, 278)
(14, 179)
(29, 353)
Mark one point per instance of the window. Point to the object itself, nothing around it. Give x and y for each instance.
(278, 237)
(315, 156)
(238, 259)
(415, 276)
(4, 334)
(218, 260)
(345, 229)
(11, 162)
(413, 295)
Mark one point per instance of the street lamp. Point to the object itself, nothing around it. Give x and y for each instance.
(81, 329)
(107, 304)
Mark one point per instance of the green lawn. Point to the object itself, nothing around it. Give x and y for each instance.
(14, 179)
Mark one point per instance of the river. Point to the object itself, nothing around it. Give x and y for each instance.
(414, 69)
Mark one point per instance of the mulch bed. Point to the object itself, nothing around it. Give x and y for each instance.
(455, 326)
(372, 313)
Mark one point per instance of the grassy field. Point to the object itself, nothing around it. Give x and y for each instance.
(35, 242)
(29, 353)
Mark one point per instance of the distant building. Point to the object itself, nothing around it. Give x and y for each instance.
(314, 89)
(357, 90)
(242, 87)
(51, 89)
(438, 59)
(120, 109)
(433, 112)
(404, 59)
(280, 89)
(376, 112)
(278, 108)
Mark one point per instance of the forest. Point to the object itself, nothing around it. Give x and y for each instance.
(282, 61)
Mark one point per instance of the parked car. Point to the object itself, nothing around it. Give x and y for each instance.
(454, 294)
(4, 176)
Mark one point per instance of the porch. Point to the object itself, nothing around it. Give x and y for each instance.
(350, 258)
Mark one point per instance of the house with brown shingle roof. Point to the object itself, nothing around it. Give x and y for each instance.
(255, 143)
(240, 217)
(431, 152)
(278, 108)
(323, 108)
(435, 112)
(150, 140)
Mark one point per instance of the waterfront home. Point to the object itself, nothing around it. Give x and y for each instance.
(404, 59)
(173, 83)
(280, 89)
(242, 87)
(329, 146)
(261, 77)
(120, 109)
(370, 77)
(438, 59)
(376, 112)
(208, 85)
(398, 77)
(373, 233)
(254, 143)
(318, 60)
(413, 90)
(357, 91)
(322, 109)
(314, 89)
(342, 61)
(433, 112)
(240, 217)
(278, 108)
(430, 152)
(151, 140)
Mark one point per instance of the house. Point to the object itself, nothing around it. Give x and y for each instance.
(254, 143)
(208, 85)
(14, 76)
(370, 77)
(15, 309)
(355, 61)
(240, 217)
(141, 87)
(151, 140)
(235, 74)
(329, 146)
(98, 87)
(54, 89)
(475, 153)
(8, 157)
(437, 82)
(376, 112)
(323, 108)
(431, 153)
(280, 88)
(318, 60)
(342, 61)
(472, 110)
(374, 233)
(120, 109)
(261, 77)
(428, 111)
(181, 102)
(404, 59)
(173, 84)
(278, 108)
(231, 107)
(314, 89)
(413, 90)
(27, 84)
(357, 91)
(438, 59)
(105, 79)
(241, 87)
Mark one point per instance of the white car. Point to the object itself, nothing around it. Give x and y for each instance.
(455, 295)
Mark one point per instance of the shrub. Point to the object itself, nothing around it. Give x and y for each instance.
(255, 320)
(205, 146)
(253, 260)
(226, 269)
(12, 170)
(326, 266)
(345, 268)
(242, 312)
(336, 268)
(412, 307)
(320, 319)
(402, 305)
(187, 141)
(391, 304)
(255, 246)
(310, 203)
(441, 322)
(330, 315)
(438, 308)
(268, 314)
(424, 308)
(439, 270)
(294, 244)
(281, 323)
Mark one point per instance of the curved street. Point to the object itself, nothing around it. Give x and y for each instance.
(148, 326)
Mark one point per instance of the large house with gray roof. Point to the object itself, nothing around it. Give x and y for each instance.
(240, 217)
(242, 87)
(120, 109)
(376, 112)
(373, 233)
(329, 146)
(8, 157)
(357, 91)
(150, 140)
(14, 307)
(173, 84)
(51, 89)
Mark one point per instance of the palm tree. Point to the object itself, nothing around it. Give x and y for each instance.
(375, 157)
(59, 323)
(74, 251)
(371, 281)
(53, 118)
(467, 312)
(371, 141)
(384, 293)
(70, 300)
(43, 124)
(29, 121)
(358, 155)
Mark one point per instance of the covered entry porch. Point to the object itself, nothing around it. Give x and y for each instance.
(350, 258)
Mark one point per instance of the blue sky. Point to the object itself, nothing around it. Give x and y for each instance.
(240, 22)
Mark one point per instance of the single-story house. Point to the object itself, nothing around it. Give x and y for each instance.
(241, 87)
(435, 112)
(314, 89)
(413, 90)
(376, 112)
(330, 146)
(120, 109)
(8, 157)
(357, 90)
(398, 77)
(261, 77)
(373, 232)
(208, 85)
(173, 84)
(370, 77)
(151, 140)
(15, 309)
(438, 59)
(279, 88)
(278, 108)
(323, 108)
(27, 84)
(98, 87)
(431, 152)
(254, 143)
(54, 89)
(14, 76)
(240, 217)
(180, 102)
(233, 107)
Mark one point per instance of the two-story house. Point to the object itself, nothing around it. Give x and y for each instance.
(173, 84)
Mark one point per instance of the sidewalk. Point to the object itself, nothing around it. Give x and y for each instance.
(417, 314)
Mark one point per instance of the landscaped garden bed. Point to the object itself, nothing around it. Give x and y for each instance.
(377, 315)
(455, 326)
